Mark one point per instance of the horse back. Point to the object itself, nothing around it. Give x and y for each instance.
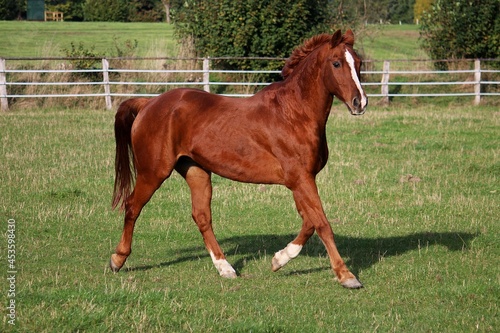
(244, 139)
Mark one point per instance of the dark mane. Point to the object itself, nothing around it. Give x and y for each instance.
(302, 51)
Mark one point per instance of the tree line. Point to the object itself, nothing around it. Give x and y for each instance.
(95, 10)
(371, 11)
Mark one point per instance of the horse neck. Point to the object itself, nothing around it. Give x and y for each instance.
(306, 91)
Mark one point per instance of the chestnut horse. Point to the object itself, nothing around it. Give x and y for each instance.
(277, 136)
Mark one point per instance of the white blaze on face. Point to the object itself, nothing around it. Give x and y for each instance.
(350, 61)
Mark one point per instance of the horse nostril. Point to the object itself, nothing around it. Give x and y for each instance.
(355, 102)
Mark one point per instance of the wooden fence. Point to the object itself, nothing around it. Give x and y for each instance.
(54, 16)
(114, 78)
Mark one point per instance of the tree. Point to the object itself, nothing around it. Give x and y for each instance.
(145, 11)
(456, 29)
(253, 28)
(9, 9)
(376, 11)
(127, 11)
(106, 10)
(167, 6)
(420, 7)
(72, 10)
(401, 11)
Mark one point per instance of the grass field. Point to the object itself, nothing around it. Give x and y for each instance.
(412, 194)
(47, 39)
(391, 42)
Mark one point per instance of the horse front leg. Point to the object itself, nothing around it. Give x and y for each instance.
(310, 209)
(292, 250)
(200, 185)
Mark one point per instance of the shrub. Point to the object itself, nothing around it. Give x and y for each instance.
(106, 10)
(9, 9)
(83, 58)
(461, 29)
(254, 28)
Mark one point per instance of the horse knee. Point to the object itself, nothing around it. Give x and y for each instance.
(324, 230)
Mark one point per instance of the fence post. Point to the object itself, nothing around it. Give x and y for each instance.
(477, 80)
(206, 74)
(4, 102)
(385, 82)
(105, 79)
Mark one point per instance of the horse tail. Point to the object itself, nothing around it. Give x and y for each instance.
(125, 171)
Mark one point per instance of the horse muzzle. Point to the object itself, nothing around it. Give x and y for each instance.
(358, 105)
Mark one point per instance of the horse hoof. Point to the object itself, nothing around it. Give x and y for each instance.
(275, 265)
(229, 274)
(352, 283)
(113, 266)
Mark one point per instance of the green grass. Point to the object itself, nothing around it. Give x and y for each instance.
(393, 42)
(412, 194)
(47, 39)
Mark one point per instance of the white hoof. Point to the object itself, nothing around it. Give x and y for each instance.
(352, 284)
(282, 257)
(275, 264)
(229, 274)
(113, 266)
(223, 267)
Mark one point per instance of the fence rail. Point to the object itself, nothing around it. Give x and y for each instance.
(477, 78)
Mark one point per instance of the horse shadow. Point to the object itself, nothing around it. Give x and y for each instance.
(359, 253)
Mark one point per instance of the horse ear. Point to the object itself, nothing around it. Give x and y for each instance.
(336, 38)
(348, 37)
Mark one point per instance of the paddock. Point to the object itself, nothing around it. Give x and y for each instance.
(411, 192)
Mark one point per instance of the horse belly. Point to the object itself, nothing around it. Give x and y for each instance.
(249, 165)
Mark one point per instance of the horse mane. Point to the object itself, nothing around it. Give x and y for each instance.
(303, 51)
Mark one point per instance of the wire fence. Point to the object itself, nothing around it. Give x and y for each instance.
(110, 80)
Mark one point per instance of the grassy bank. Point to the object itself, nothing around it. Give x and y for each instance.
(47, 39)
(393, 42)
(412, 195)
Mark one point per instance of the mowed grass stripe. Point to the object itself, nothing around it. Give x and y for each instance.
(48, 39)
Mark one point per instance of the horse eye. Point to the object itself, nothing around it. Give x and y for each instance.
(336, 64)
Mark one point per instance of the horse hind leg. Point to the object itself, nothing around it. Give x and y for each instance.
(144, 189)
(200, 185)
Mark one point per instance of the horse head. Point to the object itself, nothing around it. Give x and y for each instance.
(341, 73)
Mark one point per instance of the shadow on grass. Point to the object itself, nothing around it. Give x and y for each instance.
(359, 253)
